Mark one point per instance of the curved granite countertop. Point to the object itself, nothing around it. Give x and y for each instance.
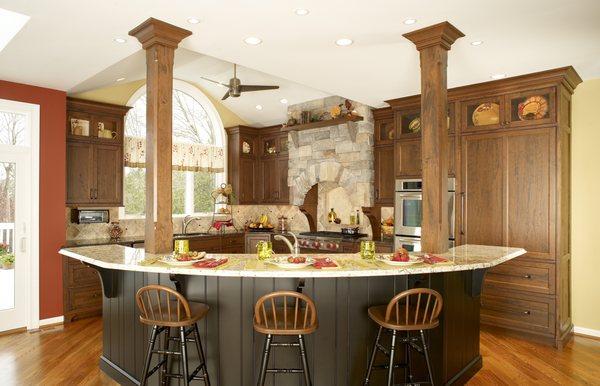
(462, 258)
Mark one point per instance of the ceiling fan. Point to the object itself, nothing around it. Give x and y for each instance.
(236, 88)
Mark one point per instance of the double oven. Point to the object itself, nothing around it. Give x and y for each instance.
(409, 210)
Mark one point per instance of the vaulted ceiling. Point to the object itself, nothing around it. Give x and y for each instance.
(69, 45)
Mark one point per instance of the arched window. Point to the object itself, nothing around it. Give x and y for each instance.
(198, 152)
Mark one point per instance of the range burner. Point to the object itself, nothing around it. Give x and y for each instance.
(324, 240)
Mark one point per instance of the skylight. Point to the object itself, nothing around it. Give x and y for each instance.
(10, 24)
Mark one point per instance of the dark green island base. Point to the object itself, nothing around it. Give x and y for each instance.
(338, 351)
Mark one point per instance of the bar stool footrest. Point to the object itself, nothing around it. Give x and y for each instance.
(285, 371)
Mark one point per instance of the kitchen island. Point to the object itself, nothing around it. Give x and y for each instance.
(338, 351)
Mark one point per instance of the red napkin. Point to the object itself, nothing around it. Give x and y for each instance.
(432, 259)
(324, 262)
(210, 263)
(219, 224)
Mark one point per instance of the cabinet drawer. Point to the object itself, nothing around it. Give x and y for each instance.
(520, 312)
(79, 274)
(522, 276)
(85, 297)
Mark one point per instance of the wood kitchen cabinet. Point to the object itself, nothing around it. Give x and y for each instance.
(94, 153)
(511, 148)
(384, 175)
(258, 164)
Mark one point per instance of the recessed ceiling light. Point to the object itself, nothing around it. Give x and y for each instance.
(301, 11)
(10, 25)
(498, 76)
(252, 40)
(119, 40)
(259, 107)
(193, 20)
(283, 100)
(476, 42)
(344, 42)
(120, 79)
(410, 21)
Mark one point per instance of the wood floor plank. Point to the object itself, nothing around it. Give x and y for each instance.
(68, 355)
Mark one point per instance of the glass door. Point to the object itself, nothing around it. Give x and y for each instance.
(15, 216)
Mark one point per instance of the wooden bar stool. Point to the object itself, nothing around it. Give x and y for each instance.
(286, 313)
(164, 308)
(412, 310)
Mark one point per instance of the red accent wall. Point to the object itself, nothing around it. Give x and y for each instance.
(52, 187)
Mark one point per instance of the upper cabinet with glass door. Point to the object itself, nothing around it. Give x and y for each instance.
(384, 131)
(275, 145)
(98, 122)
(408, 122)
(514, 110)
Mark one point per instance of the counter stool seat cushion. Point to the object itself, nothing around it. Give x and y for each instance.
(377, 314)
(288, 322)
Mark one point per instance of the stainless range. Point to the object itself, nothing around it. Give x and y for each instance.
(321, 241)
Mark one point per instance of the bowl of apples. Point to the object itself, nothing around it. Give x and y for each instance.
(399, 258)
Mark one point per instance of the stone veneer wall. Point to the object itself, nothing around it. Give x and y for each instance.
(337, 158)
(135, 227)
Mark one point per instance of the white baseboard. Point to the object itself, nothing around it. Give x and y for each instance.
(586, 331)
(55, 320)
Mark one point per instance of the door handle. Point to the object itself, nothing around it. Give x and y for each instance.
(91, 193)
(23, 244)
(377, 193)
(462, 213)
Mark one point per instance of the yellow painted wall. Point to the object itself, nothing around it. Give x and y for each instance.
(585, 186)
(120, 93)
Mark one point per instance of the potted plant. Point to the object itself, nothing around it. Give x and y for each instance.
(7, 260)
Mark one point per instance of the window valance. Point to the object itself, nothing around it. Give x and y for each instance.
(186, 156)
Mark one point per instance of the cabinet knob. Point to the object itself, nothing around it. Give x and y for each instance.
(527, 276)
(527, 312)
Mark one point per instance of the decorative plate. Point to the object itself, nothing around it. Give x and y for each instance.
(172, 260)
(415, 125)
(535, 107)
(486, 114)
(246, 148)
(282, 262)
(387, 259)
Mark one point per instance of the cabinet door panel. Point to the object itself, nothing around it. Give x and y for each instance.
(483, 190)
(247, 178)
(108, 165)
(384, 175)
(408, 158)
(269, 181)
(283, 191)
(80, 160)
(531, 181)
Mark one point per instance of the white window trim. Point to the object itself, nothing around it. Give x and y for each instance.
(220, 140)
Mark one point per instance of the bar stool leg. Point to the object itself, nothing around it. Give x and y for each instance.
(149, 355)
(426, 356)
(201, 354)
(307, 380)
(184, 358)
(165, 357)
(265, 360)
(373, 355)
(390, 381)
(408, 359)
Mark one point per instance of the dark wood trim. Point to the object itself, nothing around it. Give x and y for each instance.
(467, 372)
(116, 373)
(84, 105)
(325, 123)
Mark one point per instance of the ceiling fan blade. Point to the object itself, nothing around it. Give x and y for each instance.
(215, 82)
(225, 96)
(248, 87)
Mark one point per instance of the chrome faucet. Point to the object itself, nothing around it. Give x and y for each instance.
(294, 249)
(186, 221)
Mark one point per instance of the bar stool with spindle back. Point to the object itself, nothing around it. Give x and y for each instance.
(164, 308)
(298, 316)
(412, 310)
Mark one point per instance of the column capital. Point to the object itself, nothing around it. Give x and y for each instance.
(443, 35)
(154, 31)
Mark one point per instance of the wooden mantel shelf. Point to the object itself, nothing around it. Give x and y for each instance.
(325, 123)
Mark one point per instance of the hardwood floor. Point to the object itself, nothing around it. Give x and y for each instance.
(69, 356)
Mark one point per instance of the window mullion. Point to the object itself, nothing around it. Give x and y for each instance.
(189, 192)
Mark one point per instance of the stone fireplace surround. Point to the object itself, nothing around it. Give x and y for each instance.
(339, 159)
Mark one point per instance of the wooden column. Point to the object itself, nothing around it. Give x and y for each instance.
(160, 40)
(433, 44)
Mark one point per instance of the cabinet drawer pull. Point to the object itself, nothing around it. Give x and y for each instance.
(377, 193)
(527, 276)
(527, 312)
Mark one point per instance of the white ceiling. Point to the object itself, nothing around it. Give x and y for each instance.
(70, 41)
(190, 66)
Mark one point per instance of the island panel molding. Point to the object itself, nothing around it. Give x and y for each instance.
(433, 43)
(160, 40)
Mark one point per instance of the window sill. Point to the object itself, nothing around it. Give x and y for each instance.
(177, 216)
